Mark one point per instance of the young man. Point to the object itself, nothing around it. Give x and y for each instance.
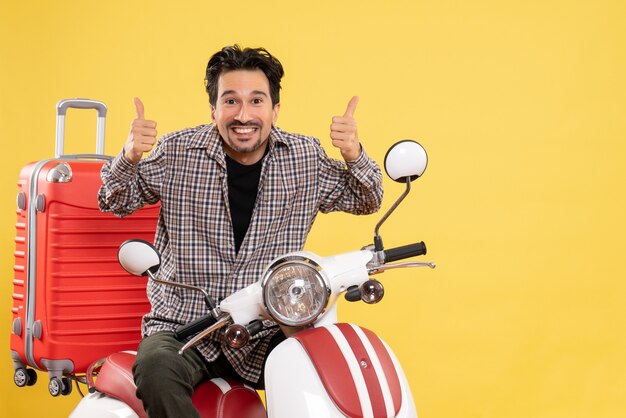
(234, 194)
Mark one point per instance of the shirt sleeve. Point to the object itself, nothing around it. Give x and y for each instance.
(127, 187)
(354, 187)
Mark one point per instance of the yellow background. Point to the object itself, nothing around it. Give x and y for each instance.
(520, 104)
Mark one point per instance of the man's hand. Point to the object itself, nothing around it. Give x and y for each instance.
(343, 133)
(142, 136)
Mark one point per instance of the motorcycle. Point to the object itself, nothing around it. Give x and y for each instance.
(323, 368)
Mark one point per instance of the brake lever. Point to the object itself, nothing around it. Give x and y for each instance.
(384, 267)
(222, 321)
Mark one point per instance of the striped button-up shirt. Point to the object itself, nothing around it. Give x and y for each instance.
(186, 172)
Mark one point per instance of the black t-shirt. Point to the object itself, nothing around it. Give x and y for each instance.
(243, 185)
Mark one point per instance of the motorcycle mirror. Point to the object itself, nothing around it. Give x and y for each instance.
(138, 257)
(404, 162)
(404, 159)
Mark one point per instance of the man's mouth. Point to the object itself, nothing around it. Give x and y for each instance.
(243, 130)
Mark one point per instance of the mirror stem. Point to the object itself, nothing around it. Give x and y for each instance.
(378, 241)
(168, 283)
(208, 300)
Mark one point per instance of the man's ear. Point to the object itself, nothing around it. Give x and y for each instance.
(275, 111)
(212, 112)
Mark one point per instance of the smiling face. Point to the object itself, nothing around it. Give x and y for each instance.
(244, 114)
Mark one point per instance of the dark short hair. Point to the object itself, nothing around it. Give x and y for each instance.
(232, 58)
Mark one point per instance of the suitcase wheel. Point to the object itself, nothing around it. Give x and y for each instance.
(60, 386)
(25, 377)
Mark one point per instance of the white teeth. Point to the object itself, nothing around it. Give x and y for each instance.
(243, 130)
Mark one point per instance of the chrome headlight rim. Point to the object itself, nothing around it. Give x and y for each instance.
(289, 261)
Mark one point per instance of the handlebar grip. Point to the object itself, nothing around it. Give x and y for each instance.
(184, 331)
(406, 251)
(255, 327)
(353, 294)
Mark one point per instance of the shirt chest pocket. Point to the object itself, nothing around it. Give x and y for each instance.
(274, 202)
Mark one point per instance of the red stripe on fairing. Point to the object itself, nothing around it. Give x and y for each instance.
(393, 381)
(369, 374)
(332, 369)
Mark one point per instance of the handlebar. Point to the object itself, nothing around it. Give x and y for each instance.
(406, 251)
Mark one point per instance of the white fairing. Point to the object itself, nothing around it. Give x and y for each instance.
(99, 405)
(245, 305)
(346, 269)
(294, 389)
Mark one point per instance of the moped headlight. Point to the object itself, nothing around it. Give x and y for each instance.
(295, 291)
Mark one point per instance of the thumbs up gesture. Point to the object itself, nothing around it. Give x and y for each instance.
(343, 132)
(142, 136)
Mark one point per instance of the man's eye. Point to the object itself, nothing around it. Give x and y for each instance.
(230, 101)
(257, 101)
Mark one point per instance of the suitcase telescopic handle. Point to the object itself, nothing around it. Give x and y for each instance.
(62, 107)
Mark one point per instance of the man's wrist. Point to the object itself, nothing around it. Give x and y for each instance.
(121, 168)
(358, 155)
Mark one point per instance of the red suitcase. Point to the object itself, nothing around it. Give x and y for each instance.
(72, 303)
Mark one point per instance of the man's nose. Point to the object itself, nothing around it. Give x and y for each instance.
(243, 115)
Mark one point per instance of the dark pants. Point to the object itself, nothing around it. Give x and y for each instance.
(165, 379)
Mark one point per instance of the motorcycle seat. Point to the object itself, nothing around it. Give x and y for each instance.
(219, 397)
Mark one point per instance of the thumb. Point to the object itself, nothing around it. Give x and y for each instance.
(138, 108)
(351, 106)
